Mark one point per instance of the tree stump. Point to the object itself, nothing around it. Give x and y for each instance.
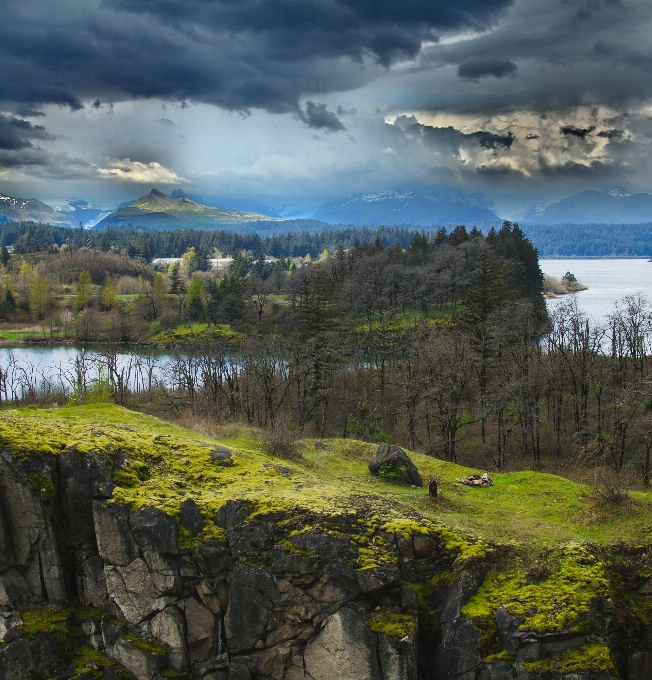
(432, 488)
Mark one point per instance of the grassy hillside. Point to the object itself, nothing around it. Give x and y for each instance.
(165, 464)
(160, 211)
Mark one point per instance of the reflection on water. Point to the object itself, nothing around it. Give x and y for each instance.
(61, 368)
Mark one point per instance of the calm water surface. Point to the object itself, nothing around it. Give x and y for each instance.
(608, 280)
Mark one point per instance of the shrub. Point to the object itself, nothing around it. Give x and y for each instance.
(128, 285)
(281, 441)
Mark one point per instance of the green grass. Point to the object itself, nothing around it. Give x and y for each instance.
(197, 332)
(519, 508)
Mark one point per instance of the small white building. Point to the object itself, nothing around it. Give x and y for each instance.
(218, 263)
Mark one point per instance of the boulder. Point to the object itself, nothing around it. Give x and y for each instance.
(344, 649)
(222, 456)
(508, 627)
(191, 517)
(450, 599)
(155, 530)
(391, 462)
(324, 545)
(639, 665)
(32, 536)
(375, 578)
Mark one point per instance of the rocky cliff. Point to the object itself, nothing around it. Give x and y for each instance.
(129, 548)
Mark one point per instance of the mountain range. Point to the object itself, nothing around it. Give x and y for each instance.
(161, 211)
(616, 206)
(32, 210)
(420, 209)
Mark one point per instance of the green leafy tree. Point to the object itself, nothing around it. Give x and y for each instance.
(40, 297)
(83, 290)
(196, 299)
(108, 295)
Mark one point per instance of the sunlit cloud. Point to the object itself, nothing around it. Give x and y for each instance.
(126, 170)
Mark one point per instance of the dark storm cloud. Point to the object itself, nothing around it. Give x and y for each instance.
(490, 140)
(610, 134)
(569, 54)
(16, 133)
(475, 68)
(317, 116)
(238, 55)
(453, 139)
(572, 131)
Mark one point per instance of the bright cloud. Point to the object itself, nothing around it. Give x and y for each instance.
(126, 170)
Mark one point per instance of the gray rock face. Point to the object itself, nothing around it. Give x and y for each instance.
(155, 531)
(458, 650)
(344, 649)
(91, 584)
(254, 609)
(639, 666)
(451, 598)
(232, 513)
(31, 535)
(201, 629)
(6, 553)
(115, 541)
(76, 496)
(191, 517)
(376, 578)
(251, 538)
(143, 665)
(393, 463)
(253, 594)
(215, 556)
(338, 583)
(136, 591)
(168, 627)
(397, 658)
(14, 590)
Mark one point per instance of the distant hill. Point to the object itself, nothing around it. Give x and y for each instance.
(160, 211)
(588, 207)
(391, 207)
(32, 210)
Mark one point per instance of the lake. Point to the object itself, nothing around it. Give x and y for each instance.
(608, 281)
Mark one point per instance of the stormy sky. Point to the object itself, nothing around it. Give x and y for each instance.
(254, 103)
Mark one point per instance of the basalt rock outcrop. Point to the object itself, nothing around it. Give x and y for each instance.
(91, 587)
